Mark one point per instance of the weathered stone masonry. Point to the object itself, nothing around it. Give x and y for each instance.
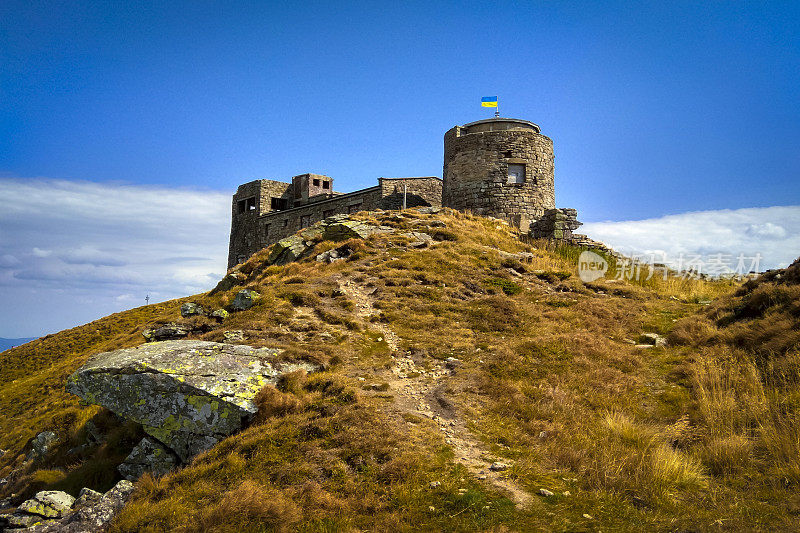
(500, 167)
(265, 211)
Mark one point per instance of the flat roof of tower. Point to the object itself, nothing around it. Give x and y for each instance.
(502, 123)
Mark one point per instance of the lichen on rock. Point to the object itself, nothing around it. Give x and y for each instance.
(186, 394)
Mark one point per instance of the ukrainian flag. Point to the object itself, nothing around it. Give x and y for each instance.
(489, 101)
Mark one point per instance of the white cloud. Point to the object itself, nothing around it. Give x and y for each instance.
(73, 251)
(772, 232)
(766, 231)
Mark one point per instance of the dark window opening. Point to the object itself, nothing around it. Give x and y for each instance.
(516, 173)
(355, 208)
(285, 222)
(305, 221)
(278, 204)
(328, 213)
(507, 153)
(316, 183)
(326, 184)
(248, 204)
(266, 230)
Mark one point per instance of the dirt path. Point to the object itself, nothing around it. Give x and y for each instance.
(422, 393)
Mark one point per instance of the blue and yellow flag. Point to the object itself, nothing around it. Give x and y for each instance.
(489, 101)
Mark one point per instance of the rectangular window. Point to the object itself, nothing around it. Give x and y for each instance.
(266, 230)
(316, 183)
(278, 204)
(305, 221)
(328, 213)
(516, 173)
(285, 222)
(354, 208)
(326, 184)
(248, 204)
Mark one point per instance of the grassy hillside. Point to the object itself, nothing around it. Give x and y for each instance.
(699, 435)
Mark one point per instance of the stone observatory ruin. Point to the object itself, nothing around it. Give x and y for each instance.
(498, 167)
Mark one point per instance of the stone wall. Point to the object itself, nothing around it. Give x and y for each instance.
(419, 192)
(476, 171)
(254, 232)
(255, 229)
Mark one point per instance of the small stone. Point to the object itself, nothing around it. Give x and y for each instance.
(545, 492)
(653, 339)
(434, 484)
(587, 516)
(245, 299)
(431, 508)
(18, 521)
(191, 309)
(148, 456)
(87, 496)
(498, 466)
(452, 363)
(567, 493)
(168, 331)
(48, 503)
(235, 335)
(219, 314)
(41, 444)
(542, 434)
(482, 476)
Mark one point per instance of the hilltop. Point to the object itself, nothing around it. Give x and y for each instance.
(470, 382)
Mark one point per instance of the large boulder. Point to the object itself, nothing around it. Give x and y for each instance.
(188, 395)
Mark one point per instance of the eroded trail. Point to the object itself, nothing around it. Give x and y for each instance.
(422, 392)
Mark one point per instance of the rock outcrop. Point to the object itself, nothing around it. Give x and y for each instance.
(91, 512)
(187, 395)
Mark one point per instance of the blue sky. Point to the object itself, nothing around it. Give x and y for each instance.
(655, 108)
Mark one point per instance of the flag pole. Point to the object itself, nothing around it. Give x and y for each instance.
(497, 109)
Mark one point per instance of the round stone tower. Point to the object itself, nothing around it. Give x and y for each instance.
(500, 167)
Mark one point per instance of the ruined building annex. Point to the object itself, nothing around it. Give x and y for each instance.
(499, 167)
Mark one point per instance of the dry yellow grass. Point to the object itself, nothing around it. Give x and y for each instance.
(699, 435)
